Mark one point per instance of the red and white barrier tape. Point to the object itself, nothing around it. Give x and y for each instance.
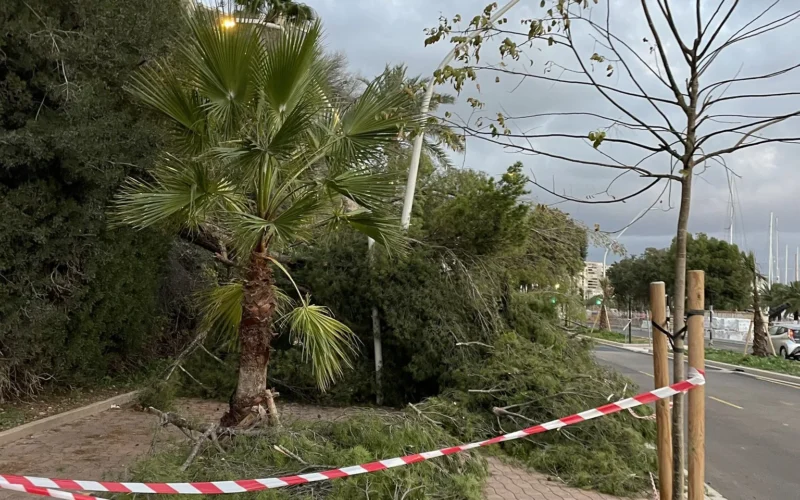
(51, 487)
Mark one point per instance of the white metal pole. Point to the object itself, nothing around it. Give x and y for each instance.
(769, 266)
(786, 266)
(777, 252)
(413, 169)
(797, 264)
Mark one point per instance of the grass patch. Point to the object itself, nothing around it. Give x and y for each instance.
(772, 363)
(325, 445)
(615, 336)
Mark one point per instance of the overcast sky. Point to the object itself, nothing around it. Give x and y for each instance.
(373, 33)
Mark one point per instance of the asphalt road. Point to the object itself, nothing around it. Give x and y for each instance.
(752, 428)
(730, 345)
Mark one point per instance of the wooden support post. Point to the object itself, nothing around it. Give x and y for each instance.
(658, 313)
(697, 402)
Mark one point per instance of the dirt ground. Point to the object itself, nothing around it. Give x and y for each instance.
(104, 446)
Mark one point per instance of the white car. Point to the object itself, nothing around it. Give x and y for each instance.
(785, 337)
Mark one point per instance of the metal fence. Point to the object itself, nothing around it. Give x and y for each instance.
(724, 329)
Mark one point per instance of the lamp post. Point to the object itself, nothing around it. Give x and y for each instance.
(413, 169)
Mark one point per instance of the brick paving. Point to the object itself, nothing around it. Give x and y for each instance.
(507, 482)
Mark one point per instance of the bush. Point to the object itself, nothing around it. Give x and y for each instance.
(78, 301)
(160, 394)
(329, 445)
(540, 383)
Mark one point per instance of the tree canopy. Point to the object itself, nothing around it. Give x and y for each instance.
(728, 284)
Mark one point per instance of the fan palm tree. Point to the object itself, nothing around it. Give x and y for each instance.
(264, 160)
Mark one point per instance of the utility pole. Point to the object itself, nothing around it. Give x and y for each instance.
(797, 264)
(769, 266)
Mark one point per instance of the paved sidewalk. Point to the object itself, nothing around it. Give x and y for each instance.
(507, 482)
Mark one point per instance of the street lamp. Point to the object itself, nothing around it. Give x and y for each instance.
(413, 169)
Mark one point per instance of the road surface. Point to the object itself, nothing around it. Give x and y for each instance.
(752, 428)
(636, 331)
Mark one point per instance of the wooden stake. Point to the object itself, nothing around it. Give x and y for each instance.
(747, 338)
(658, 313)
(697, 403)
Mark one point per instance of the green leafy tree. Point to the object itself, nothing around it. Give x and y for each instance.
(728, 282)
(264, 161)
(77, 302)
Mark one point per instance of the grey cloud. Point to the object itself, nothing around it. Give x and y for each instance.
(373, 33)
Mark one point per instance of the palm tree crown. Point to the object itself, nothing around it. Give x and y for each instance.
(264, 159)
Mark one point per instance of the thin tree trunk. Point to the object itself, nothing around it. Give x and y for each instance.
(679, 298)
(255, 336)
(760, 337)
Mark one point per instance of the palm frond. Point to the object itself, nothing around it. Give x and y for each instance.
(368, 189)
(385, 230)
(159, 88)
(291, 70)
(294, 223)
(283, 302)
(374, 120)
(437, 154)
(221, 63)
(222, 311)
(327, 343)
(182, 189)
(291, 225)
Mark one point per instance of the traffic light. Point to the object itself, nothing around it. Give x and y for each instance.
(552, 300)
(598, 301)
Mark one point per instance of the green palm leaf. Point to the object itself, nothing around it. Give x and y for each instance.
(220, 62)
(373, 121)
(222, 311)
(370, 190)
(160, 89)
(385, 230)
(185, 190)
(326, 342)
(291, 70)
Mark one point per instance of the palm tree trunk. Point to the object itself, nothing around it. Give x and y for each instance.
(760, 337)
(255, 336)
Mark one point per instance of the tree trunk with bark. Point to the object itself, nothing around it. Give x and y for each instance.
(760, 337)
(605, 323)
(255, 337)
(679, 307)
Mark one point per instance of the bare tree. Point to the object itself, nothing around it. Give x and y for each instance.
(664, 111)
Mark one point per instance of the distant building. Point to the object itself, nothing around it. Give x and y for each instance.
(590, 279)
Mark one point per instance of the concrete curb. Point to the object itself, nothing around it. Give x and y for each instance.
(66, 417)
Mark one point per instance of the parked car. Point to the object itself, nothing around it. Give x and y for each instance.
(785, 338)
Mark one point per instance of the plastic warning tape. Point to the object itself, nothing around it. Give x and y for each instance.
(45, 486)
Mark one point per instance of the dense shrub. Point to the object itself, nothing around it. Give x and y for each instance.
(77, 301)
(539, 382)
